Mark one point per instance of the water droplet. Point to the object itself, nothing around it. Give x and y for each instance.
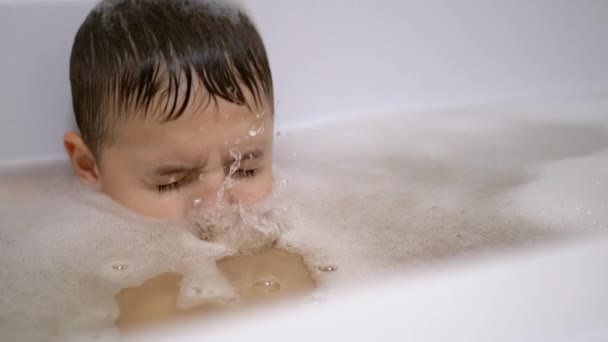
(328, 268)
(285, 182)
(120, 267)
(267, 286)
(197, 202)
(588, 212)
(259, 115)
(201, 176)
(255, 131)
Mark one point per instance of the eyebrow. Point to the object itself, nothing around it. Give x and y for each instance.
(251, 154)
(254, 153)
(168, 170)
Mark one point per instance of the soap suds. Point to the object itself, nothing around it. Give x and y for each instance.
(372, 195)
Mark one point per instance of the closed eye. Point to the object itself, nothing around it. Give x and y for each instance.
(168, 187)
(174, 186)
(245, 173)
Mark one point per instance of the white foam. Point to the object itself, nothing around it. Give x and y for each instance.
(59, 248)
(371, 195)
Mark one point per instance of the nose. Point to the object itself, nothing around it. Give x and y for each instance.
(213, 192)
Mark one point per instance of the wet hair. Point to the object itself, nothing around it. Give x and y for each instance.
(138, 57)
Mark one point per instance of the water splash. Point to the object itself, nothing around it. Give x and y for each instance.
(245, 227)
(229, 182)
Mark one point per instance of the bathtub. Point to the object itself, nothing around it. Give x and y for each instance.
(438, 87)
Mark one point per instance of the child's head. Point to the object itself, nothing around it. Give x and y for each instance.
(163, 91)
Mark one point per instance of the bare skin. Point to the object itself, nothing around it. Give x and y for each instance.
(155, 300)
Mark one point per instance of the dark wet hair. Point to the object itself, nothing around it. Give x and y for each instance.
(130, 55)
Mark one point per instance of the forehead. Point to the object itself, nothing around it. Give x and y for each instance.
(213, 123)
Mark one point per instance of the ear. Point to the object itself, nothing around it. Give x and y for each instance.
(82, 158)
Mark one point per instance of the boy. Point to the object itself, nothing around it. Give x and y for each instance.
(172, 98)
(162, 92)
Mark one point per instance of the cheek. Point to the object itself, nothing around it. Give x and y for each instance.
(254, 190)
(141, 200)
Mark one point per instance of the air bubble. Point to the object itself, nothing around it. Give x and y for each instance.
(120, 267)
(267, 286)
(197, 202)
(201, 176)
(328, 268)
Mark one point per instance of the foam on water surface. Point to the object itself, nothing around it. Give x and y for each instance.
(368, 196)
